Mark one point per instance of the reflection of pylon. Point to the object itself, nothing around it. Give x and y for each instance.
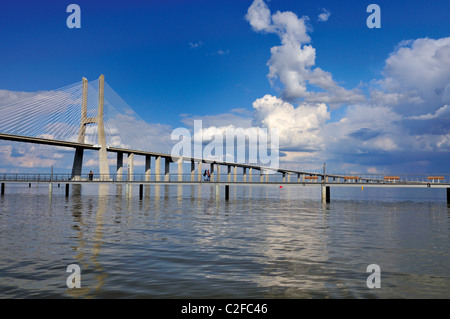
(103, 158)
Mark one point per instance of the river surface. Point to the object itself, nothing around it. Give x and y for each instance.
(182, 242)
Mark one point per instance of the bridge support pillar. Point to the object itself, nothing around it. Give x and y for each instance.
(180, 170)
(119, 172)
(250, 172)
(228, 173)
(284, 177)
(148, 170)
(244, 176)
(167, 169)
(235, 174)
(199, 171)
(218, 173)
(211, 171)
(158, 168)
(192, 171)
(261, 176)
(130, 164)
(77, 163)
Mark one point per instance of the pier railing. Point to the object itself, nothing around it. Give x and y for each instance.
(231, 178)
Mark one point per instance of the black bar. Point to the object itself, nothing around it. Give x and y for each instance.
(67, 190)
(141, 191)
(227, 192)
(3, 188)
(327, 194)
(448, 195)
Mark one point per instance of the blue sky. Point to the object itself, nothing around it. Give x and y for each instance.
(175, 61)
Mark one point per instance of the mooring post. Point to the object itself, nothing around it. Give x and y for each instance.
(227, 192)
(50, 186)
(327, 194)
(323, 193)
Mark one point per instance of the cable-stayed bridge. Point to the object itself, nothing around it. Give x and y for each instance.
(92, 116)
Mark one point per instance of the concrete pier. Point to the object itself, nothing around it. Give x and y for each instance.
(199, 172)
(192, 171)
(119, 169)
(167, 169)
(130, 163)
(180, 170)
(148, 169)
(158, 168)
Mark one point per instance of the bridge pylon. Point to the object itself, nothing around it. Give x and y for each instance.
(85, 120)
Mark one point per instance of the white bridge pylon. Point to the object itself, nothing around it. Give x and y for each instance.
(85, 120)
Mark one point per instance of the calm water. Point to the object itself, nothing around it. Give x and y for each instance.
(265, 242)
